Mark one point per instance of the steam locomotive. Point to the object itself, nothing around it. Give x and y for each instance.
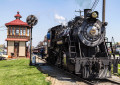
(80, 46)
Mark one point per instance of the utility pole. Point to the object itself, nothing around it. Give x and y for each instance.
(103, 12)
(79, 12)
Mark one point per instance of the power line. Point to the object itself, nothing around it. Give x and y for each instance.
(3, 30)
(3, 27)
(94, 5)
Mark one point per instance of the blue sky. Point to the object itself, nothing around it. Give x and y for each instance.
(45, 11)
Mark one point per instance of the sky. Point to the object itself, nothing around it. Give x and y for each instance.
(52, 12)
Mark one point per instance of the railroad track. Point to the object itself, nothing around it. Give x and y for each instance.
(77, 78)
(90, 82)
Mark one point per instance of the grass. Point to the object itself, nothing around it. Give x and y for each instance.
(117, 74)
(18, 72)
(119, 69)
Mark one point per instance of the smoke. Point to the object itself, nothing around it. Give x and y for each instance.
(60, 19)
(86, 4)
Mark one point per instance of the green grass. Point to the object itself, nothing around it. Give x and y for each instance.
(117, 74)
(18, 72)
(119, 69)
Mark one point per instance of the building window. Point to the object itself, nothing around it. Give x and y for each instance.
(12, 30)
(24, 31)
(20, 31)
(17, 31)
(27, 32)
(9, 31)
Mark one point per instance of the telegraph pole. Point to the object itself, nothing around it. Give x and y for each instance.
(79, 12)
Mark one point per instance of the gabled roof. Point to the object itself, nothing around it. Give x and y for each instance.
(17, 21)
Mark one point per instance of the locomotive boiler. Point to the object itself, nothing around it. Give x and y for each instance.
(80, 46)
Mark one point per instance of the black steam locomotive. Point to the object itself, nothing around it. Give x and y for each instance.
(80, 46)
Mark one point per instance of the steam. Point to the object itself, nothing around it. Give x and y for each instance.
(84, 3)
(60, 19)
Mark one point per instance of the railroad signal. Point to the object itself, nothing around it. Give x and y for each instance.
(32, 21)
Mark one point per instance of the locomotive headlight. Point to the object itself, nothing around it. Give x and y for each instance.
(94, 15)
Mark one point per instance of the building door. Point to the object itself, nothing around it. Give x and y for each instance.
(16, 49)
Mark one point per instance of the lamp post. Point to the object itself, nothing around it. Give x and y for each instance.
(32, 21)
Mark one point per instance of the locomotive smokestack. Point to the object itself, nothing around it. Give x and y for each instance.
(103, 14)
(86, 11)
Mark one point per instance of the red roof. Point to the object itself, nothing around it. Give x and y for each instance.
(17, 21)
(18, 15)
(14, 39)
